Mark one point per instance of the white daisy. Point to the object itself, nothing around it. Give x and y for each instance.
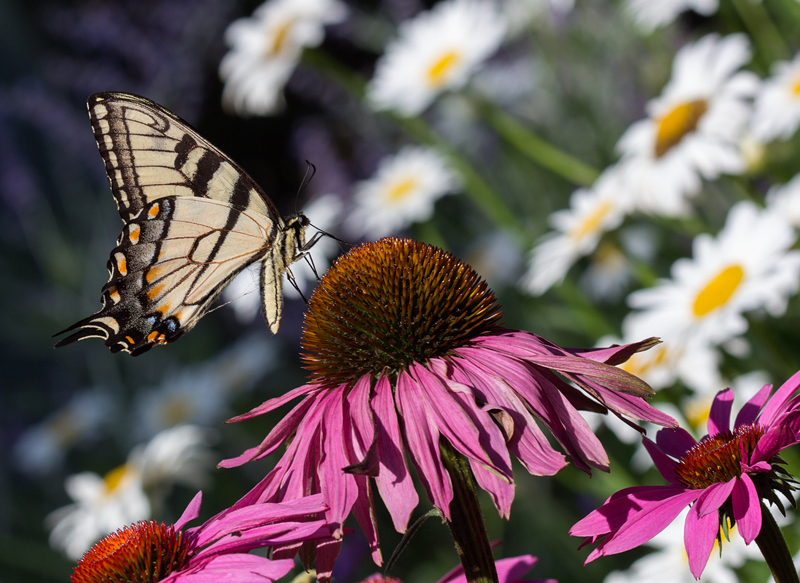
(577, 231)
(651, 14)
(266, 47)
(243, 292)
(403, 191)
(777, 108)
(785, 200)
(608, 275)
(747, 266)
(521, 14)
(101, 505)
(435, 51)
(670, 563)
(128, 493)
(694, 127)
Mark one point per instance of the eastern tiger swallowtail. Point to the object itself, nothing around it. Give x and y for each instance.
(192, 218)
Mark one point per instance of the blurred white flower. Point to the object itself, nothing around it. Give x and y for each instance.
(243, 293)
(403, 191)
(608, 275)
(694, 128)
(41, 448)
(747, 266)
(521, 14)
(201, 394)
(670, 563)
(651, 14)
(577, 231)
(785, 200)
(128, 493)
(435, 51)
(266, 47)
(776, 113)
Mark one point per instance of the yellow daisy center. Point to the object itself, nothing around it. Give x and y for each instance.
(402, 189)
(113, 479)
(679, 122)
(441, 70)
(591, 224)
(281, 36)
(718, 291)
(639, 364)
(796, 87)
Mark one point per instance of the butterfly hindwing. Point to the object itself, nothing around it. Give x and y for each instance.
(170, 263)
(193, 220)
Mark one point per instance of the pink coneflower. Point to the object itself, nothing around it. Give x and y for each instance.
(149, 552)
(406, 359)
(725, 476)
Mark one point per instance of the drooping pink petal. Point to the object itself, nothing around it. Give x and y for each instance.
(273, 535)
(422, 437)
(719, 417)
(664, 464)
(247, 569)
(749, 412)
(500, 489)
(510, 570)
(699, 534)
(713, 497)
(626, 505)
(675, 441)
(526, 441)
(359, 429)
(339, 488)
(451, 419)
(747, 508)
(615, 355)
(364, 511)
(646, 523)
(633, 407)
(285, 427)
(272, 404)
(394, 481)
(777, 404)
(192, 511)
(327, 551)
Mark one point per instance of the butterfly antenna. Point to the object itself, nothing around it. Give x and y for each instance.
(311, 170)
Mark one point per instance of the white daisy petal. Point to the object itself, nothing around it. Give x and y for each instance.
(695, 128)
(437, 50)
(266, 47)
(403, 191)
(777, 106)
(651, 14)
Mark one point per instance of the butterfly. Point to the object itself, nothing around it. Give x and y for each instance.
(192, 218)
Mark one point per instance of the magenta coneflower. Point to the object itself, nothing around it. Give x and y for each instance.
(149, 552)
(407, 360)
(510, 570)
(725, 476)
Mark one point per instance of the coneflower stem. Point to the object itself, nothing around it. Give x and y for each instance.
(773, 546)
(466, 521)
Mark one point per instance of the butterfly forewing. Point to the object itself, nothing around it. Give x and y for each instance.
(193, 219)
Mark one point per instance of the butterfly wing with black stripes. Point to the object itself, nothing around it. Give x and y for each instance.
(192, 220)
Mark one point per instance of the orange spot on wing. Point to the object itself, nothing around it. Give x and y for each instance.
(157, 337)
(134, 234)
(153, 273)
(154, 291)
(122, 265)
(130, 340)
(153, 212)
(114, 294)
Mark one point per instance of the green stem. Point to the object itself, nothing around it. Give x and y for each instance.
(765, 34)
(537, 149)
(466, 521)
(773, 546)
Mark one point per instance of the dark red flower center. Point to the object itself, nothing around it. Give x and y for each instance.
(718, 458)
(387, 304)
(145, 552)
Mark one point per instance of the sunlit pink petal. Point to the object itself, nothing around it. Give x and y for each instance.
(713, 497)
(747, 508)
(719, 418)
(750, 410)
(699, 534)
(664, 464)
